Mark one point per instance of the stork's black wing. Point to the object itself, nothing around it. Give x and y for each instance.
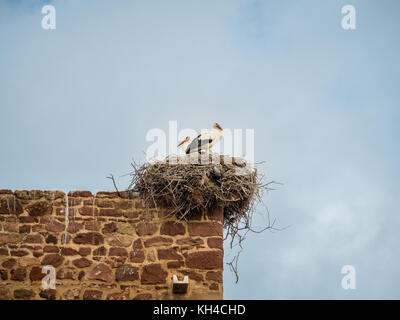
(196, 144)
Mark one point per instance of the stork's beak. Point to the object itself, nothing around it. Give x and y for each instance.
(186, 140)
(218, 126)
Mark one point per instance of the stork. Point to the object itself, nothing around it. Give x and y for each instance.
(205, 140)
(184, 144)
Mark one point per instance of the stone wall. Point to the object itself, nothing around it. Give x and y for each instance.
(105, 247)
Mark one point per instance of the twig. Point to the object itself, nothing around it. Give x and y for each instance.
(115, 185)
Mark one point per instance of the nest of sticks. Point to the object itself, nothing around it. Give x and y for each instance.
(191, 183)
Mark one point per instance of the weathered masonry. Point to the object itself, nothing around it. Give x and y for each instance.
(106, 246)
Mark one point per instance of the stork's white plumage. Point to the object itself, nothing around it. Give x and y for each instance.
(184, 144)
(205, 140)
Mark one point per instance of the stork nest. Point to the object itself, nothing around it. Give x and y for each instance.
(189, 184)
(192, 183)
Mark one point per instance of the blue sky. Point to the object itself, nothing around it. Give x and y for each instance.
(76, 104)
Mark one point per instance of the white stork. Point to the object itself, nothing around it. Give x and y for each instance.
(184, 144)
(205, 140)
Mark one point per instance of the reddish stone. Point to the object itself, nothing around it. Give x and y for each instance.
(10, 205)
(172, 228)
(214, 276)
(33, 238)
(69, 252)
(101, 272)
(174, 264)
(83, 194)
(11, 227)
(216, 243)
(24, 229)
(214, 286)
(92, 295)
(127, 273)
(51, 239)
(157, 241)
(107, 194)
(81, 275)
(19, 253)
(119, 252)
(108, 212)
(89, 238)
(143, 296)
(40, 208)
(3, 274)
(22, 194)
(5, 191)
(205, 229)
(5, 293)
(11, 219)
(48, 294)
(192, 275)
(74, 227)
(168, 254)
(137, 256)
(4, 252)
(18, 274)
(53, 259)
(84, 251)
(88, 211)
(192, 242)
(45, 220)
(55, 226)
(124, 204)
(129, 194)
(109, 228)
(137, 244)
(36, 274)
(92, 225)
(28, 219)
(37, 228)
(100, 251)
(153, 274)
(51, 249)
(23, 294)
(9, 238)
(205, 260)
(104, 203)
(9, 263)
(60, 212)
(72, 202)
(216, 214)
(82, 262)
(195, 214)
(37, 254)
(67, 273)
(146, 229)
